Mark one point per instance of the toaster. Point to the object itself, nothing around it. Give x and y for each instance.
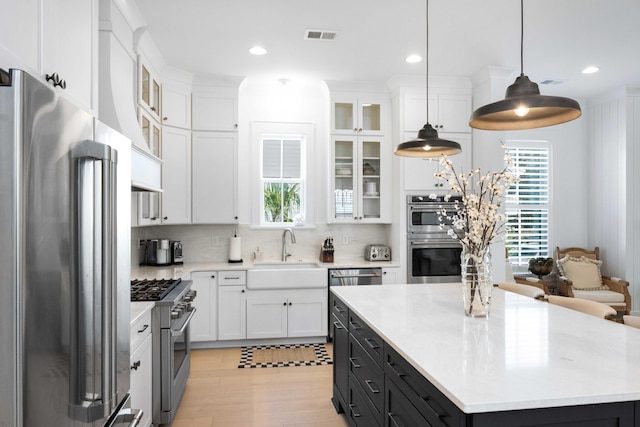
(377, 253)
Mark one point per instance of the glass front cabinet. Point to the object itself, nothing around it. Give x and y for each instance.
(359, 190)
(357, 116)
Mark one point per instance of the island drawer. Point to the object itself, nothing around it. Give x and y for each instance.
(368, 373)
(360, 413)
(340, 309)
(434, 406)
(369, 340)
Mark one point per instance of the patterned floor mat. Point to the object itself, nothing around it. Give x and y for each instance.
(279, 356)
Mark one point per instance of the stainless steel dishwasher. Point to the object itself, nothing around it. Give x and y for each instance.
(352, 277)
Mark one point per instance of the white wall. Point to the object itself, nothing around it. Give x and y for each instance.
(614, 183)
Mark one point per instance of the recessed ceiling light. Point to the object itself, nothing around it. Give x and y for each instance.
(257, 50)
(590, 70)
(412, 59)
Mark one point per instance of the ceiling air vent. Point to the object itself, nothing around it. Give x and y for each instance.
(551, 82)
(320, 35)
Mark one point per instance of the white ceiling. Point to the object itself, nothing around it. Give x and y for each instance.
(465, 36)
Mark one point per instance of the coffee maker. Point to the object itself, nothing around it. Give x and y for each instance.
(176, 252)
(156, 252)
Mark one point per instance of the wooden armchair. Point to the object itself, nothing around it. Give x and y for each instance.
(581, 279)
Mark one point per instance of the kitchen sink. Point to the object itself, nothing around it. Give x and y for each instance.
(286, 275)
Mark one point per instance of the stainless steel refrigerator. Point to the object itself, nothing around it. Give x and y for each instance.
(64, 262)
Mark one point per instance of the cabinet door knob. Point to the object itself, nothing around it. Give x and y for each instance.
(166, 217)
(213, 276)
(56, 80)
(165, 118)
(242, 291)
(284, 303)
(153, 109)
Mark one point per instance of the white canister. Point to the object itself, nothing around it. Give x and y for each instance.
(370, 187)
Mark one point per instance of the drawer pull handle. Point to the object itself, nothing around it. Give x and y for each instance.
(373, 346)
(339, 309)
(392, 418)
(391, 366)
(431, 409)
(353, 412)
(353, 363)
(355, 325)
(373, 390)
(144, 328)
(232, 277)
(338, 325)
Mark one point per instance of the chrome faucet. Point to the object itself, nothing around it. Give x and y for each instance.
(284, 243)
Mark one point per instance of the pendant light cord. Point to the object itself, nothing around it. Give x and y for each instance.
(522, 37)
(427, 59)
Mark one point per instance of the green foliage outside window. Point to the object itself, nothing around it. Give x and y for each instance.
(281, 202)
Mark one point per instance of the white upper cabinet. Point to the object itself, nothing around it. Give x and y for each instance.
(448, 112)
(215, 108)
(148, 88)
(214, 178)
(57, 39)
(176, 175)
(358, 116)
(176, 105)
(360, 180)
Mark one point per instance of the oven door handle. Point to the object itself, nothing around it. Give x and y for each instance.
(184, 326)
(343, 276)
(440, 243)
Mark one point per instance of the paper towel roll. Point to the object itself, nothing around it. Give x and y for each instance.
(235, 249)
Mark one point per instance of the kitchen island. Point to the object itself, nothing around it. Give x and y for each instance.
(407, 355)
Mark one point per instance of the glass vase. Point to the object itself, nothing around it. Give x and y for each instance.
(476, 282)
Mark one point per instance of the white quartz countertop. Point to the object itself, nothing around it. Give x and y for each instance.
(139, 308)
(527, 354)
(184, 270)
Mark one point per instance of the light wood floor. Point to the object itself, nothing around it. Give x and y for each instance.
(219, 394)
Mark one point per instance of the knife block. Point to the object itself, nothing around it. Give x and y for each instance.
(326, 255)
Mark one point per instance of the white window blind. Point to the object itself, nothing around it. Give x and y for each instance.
(527, 205)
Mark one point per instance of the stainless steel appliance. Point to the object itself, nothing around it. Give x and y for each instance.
(352, 277)
(377, 253)
(423, 213)
(176, 252)
(64, 265)
(432, 255)
(171, 343)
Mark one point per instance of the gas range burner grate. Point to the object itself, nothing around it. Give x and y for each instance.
(152, 290)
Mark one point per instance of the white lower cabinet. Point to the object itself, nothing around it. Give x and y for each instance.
(286, 313)
(232, 312)
(391, 275)
(204, 324)
(140, 361)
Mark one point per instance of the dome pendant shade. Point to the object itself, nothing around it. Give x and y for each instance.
(524, 108)
(428, 144)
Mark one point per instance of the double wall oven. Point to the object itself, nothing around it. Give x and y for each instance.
(170, 319)
(432, 255)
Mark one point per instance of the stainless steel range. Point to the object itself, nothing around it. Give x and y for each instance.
(171, 343)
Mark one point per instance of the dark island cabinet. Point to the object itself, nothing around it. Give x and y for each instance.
(339, 316)
(433, 407)
(376, 387)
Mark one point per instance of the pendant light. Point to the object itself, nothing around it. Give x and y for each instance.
(523, 106)
(428, 144)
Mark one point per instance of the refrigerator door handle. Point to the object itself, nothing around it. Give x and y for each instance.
(127, 415)
(93, 385)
